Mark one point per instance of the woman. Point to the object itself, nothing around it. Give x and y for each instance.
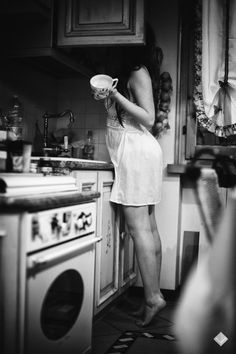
(137, 159)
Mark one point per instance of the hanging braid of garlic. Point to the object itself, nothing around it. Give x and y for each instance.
(161, 123)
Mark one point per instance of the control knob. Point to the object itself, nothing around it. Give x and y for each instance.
(36, 233)
(82, 221)
(56, 227)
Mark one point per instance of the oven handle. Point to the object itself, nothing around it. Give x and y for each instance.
(40, 262)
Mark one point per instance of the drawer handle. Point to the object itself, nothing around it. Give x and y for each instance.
(36, 263)
(87, 187)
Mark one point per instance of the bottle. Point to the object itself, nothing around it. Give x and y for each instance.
(15, 119)
(3, 128)
(37, 141)
(45, 166)
(88, 150)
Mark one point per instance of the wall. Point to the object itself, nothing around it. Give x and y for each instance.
(164, 17)
(89, 114)
(37, 92)
(40, 92)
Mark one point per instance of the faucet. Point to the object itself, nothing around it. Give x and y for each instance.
(48, 115)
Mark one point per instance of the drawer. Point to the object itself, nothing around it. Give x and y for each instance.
(86, 181)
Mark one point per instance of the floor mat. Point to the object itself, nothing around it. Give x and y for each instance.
(126, 340)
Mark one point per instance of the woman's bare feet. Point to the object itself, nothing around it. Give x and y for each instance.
(141, 311)
(150, 311)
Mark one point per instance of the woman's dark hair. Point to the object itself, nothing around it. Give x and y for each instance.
(133, 58)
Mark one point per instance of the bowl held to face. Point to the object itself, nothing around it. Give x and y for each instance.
(101, 85)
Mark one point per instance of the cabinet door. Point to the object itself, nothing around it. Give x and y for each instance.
(25, 24)
(128, 265)
(106, 279)
(104, 22)
(86, 181)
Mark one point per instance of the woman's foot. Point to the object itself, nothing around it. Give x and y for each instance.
(141, 310)
(150, 312)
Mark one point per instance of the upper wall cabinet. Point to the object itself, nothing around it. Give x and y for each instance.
(104, 22)
(25, 24)
(27, 37)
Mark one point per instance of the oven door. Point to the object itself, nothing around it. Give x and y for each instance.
(59, 302)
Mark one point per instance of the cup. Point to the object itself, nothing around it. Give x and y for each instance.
(18, 156)
(101, 85)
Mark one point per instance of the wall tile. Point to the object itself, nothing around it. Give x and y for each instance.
(92, 121)
(37, 92)
(103, 154)
(40, 92)
(101, 136)
(102, 120)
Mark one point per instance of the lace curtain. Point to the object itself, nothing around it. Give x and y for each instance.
(215, 66)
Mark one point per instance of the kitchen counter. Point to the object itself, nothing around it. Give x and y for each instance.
(66, 165)
(40, 202)
(36, 192)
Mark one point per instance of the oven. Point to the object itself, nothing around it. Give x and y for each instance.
(60, 260)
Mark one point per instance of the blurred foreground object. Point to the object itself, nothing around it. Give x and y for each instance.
(205, 316)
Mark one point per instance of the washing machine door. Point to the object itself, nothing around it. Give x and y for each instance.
(59, 305)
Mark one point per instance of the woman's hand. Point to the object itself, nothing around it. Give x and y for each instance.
(98, 96)
(112, 92)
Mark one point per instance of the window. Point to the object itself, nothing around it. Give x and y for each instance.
(207, 76)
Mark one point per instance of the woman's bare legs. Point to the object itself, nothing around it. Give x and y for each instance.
(158, 251)
(148, 252)
(157, 241)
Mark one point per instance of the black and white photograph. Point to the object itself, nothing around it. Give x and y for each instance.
(117, 176)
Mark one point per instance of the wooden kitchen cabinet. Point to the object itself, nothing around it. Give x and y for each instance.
(107, 250)
(128, 267)
(25, 24)
(86, 181)
(115, 258)
(115, 265)
(104, 22)
(27, 37)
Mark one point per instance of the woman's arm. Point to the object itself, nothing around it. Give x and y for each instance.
(140, 86)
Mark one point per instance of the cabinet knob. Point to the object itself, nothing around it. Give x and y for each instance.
(35, 229)
(79, 224)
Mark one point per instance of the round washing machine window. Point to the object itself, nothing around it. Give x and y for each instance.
(62, 304)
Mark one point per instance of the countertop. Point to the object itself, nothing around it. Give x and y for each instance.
(44, 201)
(34, 191)
(71, 164)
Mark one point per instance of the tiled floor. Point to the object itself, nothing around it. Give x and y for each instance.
(116, 332)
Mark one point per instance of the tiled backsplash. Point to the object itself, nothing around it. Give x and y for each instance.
(40, 92)
(89, 114)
